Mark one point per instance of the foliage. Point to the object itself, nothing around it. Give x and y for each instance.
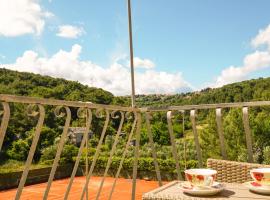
(29, 84)
(251, 90)
(209, 138)
(21, 128)
(266, 155)
(69, 151)
(19, 150)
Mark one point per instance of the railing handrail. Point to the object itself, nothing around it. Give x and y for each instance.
(56, 102)
(208, 106)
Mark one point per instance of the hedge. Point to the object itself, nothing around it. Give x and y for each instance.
(144, 164)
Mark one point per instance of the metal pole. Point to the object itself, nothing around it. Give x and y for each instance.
(131, 55)
(86, 161)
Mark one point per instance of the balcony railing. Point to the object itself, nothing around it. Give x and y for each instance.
(138, 117)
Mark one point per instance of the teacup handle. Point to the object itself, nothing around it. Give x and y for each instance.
(209, 180)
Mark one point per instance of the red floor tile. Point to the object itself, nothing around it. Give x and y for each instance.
(122, 190)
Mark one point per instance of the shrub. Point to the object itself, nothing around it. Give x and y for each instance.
(144, 164)
(69, 151)
(48, 153)
(19, 150)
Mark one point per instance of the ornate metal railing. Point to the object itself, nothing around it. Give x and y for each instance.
(36, 107)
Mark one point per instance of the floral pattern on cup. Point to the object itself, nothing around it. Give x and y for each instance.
(261, 175)
(258, 176)
(200, 177)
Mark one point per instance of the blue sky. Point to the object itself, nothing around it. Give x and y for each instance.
(180, 45)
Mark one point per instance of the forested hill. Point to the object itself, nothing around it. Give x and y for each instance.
(251, 90)
(29, 84)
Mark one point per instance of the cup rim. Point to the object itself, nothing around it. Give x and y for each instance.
(261, 170)
(201, 171)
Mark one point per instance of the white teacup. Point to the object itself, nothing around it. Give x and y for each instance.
(262, 176)
(201, 177)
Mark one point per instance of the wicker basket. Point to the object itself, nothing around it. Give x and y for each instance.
(231, 171)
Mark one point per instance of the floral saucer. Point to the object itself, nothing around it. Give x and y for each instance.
(257, 187)
(202, 190)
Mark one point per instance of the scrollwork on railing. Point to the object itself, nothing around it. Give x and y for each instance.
(115, 114)
(59, 111)
(100, 113)
(32, 110)
(130, 115)
(83, 113)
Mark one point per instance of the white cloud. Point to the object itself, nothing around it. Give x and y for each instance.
(19, 17)
(115, 78)
(143, 63)
(68, 31)
(263, 38)
(258, 60)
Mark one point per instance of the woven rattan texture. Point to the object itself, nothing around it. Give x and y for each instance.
(231, 171)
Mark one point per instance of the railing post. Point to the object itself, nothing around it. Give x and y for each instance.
(112, 151)
(97, 151)
(59, 148)
(248, 134)
(174, 149)
(154, 154)
(4, 123)
(196, 138)
(124, 153)
(184, 137)
(220, 133)
(135, 164)
(88, 117)
(86, 159)
(32, 148)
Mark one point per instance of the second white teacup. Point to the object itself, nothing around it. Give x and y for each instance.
(262, 176)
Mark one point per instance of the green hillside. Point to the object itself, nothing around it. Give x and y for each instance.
(29, 84)
(251, 90)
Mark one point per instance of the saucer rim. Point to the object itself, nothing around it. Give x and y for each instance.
(250, 186)
(210, 188)
(211, 191)
(259, 190)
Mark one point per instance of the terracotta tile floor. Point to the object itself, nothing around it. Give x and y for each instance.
(122, 189)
